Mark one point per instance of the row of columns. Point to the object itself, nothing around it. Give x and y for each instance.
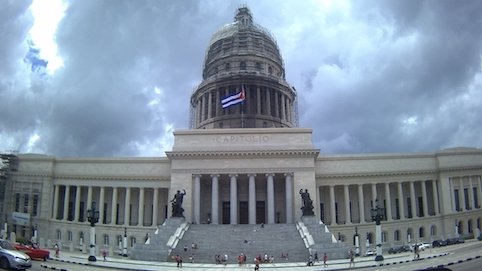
(374, 194)
(251, 198)
(458, 182)
(101, 200)
(282, 108)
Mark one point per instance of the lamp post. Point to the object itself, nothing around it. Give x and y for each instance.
(35, 233)
(456, 228)
(92, 217)
(81, 241)
(124, 243)
(357, 243)
(377, 215)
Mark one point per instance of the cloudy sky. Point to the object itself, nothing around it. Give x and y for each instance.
(107, 78)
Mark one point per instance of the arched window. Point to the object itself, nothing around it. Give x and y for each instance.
(396, 235)
(59, 235)
(106, 239)
(133, 241)
(265, 124)
(242, 66)
(119, 241)
(433, 230)
(221, 125)
(270, 70)
(70, 236)
(409, 235)
(258, 66)
(469, 226)
(370, 238)
(384, 236)
(421, 232)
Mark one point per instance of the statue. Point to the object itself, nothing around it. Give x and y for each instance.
(176, 202)
(307, 207)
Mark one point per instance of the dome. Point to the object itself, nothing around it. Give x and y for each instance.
(242, 36)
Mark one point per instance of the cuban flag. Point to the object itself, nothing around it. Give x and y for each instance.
(233, 99)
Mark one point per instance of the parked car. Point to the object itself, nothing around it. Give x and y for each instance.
(12, 258)
(34, 251)
(480, 237)
(405, 248)
(394, 250)
(423, 246)
(439, 243)
(370, 253)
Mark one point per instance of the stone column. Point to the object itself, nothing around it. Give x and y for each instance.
(113, 213)
(258, 100)
(89, 198)
(101, 204)
(478, 190)
(252, 198)
(202, 109)
(56, 201)
(388, 201)
(435, 197)
(66, 202)
(412, 199)
(210, 105)
(233, 199)
(270, 197)
(332, 205)
(276, 104)
(361, 205)
(140, 214)
(155, 207)
(268, 102)
(289, 197)
(347, 204)
(197, 198)
(215, 199)
(283, 107)
(471, 194)
(198, 110)
(127, 210)
(461, 195)
(401, 201)
(424, 199)
(78, 191)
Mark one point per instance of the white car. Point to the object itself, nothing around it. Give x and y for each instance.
(423, 246)
(10, 257)
(370, 253)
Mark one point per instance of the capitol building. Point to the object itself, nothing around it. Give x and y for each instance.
(243, 163)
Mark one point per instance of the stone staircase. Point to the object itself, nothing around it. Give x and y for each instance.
(272, 239)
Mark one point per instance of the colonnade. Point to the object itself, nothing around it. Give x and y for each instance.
(116, 205)
(352, 203)
(259, 100)
(236, 182)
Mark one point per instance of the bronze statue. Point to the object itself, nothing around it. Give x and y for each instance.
(176, 202)
(307, 207)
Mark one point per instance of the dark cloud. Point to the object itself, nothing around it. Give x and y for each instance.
(372, 76)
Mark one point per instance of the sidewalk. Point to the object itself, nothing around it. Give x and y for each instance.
(120, 263)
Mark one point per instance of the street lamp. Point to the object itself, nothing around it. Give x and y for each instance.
(377, 215)
(92, 217)
(124, 243)
(357, 243)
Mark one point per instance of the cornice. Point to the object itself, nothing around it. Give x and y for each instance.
(399, 173)
(256, 153)
(92, 177)
(242, 170)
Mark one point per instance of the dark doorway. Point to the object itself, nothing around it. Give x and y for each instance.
(260, 212)
(226, 212)
(243, 212)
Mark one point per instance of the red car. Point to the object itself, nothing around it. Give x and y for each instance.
(33, 251)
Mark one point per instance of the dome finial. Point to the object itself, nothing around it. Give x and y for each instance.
(243, 15)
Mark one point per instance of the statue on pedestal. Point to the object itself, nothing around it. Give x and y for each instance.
(176, 202)
(307, 207)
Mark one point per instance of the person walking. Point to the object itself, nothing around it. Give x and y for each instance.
(104, 253)
(57, 250)
(352, 258)
(325, 259)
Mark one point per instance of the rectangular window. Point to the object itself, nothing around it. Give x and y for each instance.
(476, 200)
(35, 205)
(397, 208)
(17, 202)
(466, 199)
(420, 207)
(456, 199)
(81, 211)
(336, 212)
(70, 214)
(385, 209)
(322, 212)
(409, 207)
(117, 214)
(25, 204)
(104, 215)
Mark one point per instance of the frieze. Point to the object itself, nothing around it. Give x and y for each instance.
(309, 152)
(242, 139)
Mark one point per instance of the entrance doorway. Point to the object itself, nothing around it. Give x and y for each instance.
(260, 212)
(226, 212)
(243, 212)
